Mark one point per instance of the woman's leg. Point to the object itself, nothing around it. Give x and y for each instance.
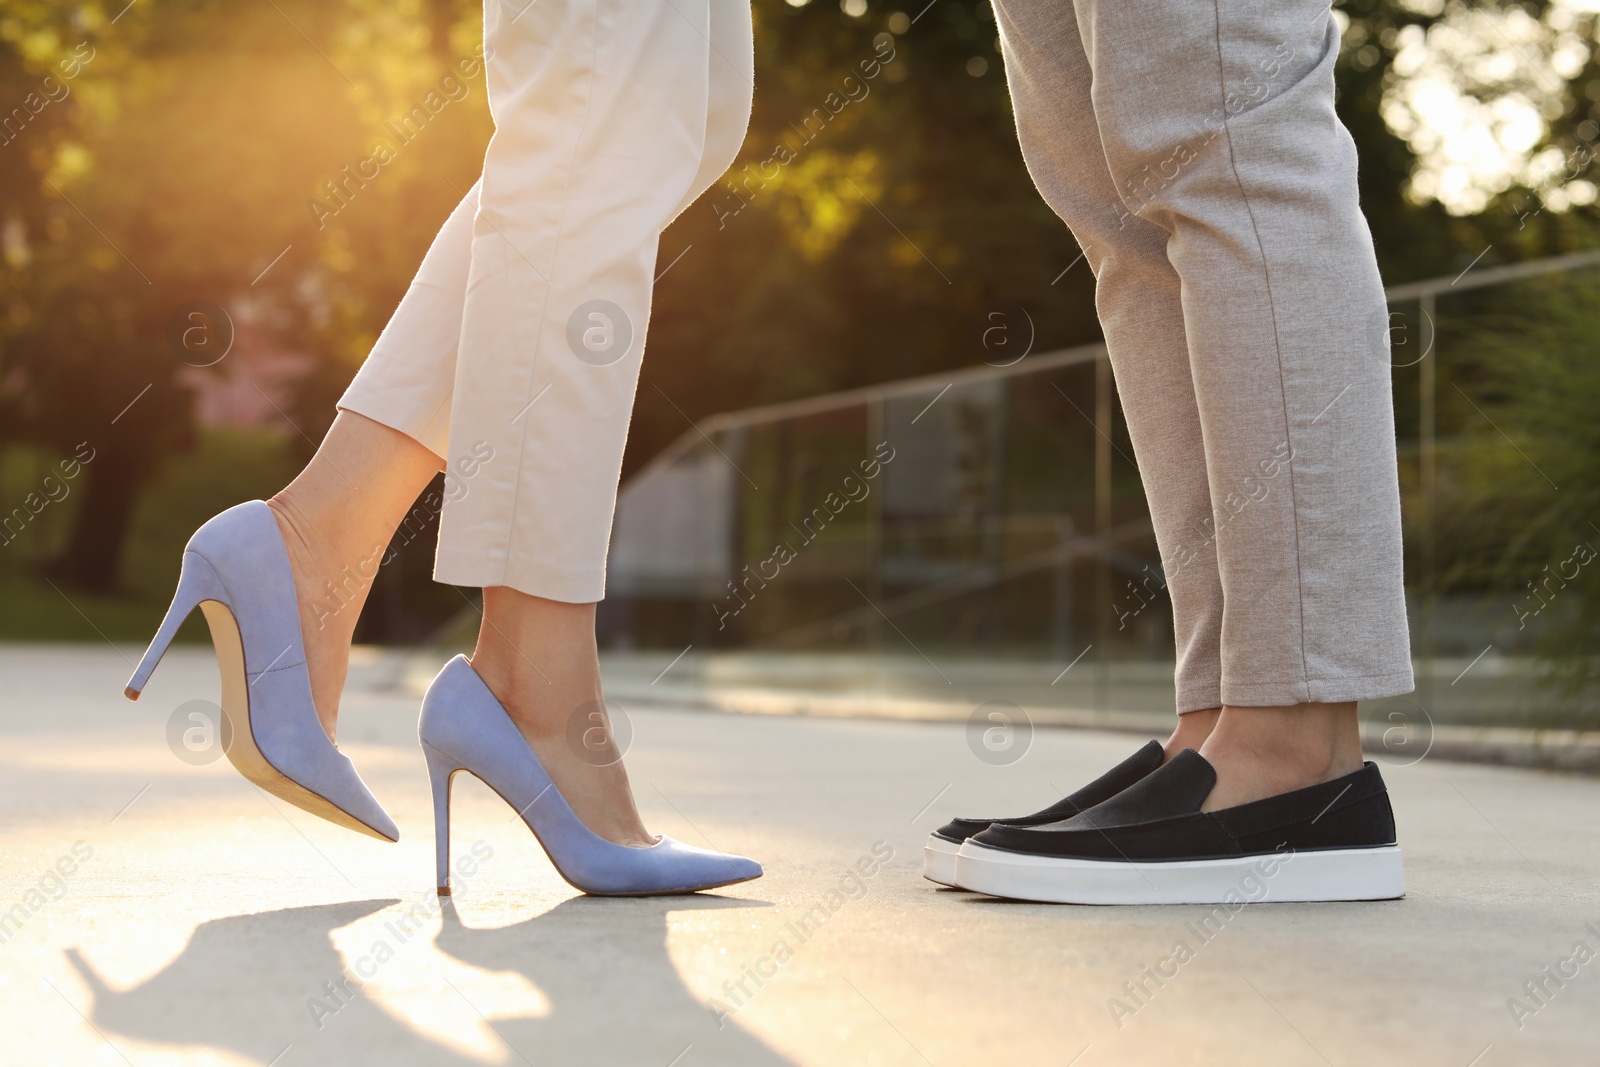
(610, 120)
(550, 389)
(1218, 123)
(601, 112)
(335, 549)
(1138, 297)
(538, 657)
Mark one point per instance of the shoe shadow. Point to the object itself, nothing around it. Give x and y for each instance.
(246, 984)
(615, 994)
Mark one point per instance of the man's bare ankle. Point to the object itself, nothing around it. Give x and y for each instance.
(1192, 730)
(1262, 752)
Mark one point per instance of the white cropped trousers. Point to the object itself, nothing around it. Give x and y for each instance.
(515, 353)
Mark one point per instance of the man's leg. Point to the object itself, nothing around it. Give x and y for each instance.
(1218, 128)
(1137, 294)
(1139, 299)
(1218, 124)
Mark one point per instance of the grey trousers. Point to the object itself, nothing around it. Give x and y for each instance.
(1192, 148)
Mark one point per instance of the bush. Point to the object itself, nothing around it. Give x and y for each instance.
(1526, 514)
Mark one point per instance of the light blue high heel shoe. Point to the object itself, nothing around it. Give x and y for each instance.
(236, 571)
(465, 728)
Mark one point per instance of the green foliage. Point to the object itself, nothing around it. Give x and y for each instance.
(197, 143)
(224, 468)
(878, 251)
(1524, 515)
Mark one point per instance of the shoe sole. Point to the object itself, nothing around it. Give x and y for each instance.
(1324, 875)
(939, 861)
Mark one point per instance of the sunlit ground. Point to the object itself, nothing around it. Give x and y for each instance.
(204, 923)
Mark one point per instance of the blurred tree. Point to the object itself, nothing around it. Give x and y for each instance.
(881, 251)
(1413, 240)
(882, 248)
(82, 368)
(188, 157)
(182, 167)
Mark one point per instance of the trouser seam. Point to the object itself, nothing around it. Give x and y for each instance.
(1283, 390)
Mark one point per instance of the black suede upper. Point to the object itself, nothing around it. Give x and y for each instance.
(1159, 818)
(1108, 785)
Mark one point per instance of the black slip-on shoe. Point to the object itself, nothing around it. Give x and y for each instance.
(1151, 844)
(939, 854)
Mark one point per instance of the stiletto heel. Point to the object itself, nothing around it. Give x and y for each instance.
(197, 582)
(441, 771)
(465, 728)
(236, 570)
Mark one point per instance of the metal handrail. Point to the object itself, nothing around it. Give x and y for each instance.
(790, 409)
(1491, 276)
(867, 394)
(1067, 357)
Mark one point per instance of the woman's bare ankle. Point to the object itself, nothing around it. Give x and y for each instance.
(536, 654)
(337, 517)
(329, 594)
(538, 657)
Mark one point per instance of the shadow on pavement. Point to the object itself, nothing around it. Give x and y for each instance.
(246, 983)
(615, 994)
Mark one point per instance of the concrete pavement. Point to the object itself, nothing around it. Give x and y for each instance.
(170, 913)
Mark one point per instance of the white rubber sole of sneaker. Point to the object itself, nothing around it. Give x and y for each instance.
(939, 861)
(1332, 874)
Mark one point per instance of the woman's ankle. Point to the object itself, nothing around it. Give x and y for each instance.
(531, 698)
(538, 657)
(333, 572)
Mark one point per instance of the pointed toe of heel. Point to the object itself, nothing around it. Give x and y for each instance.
(380, 823)
(343, 797)
(380, 826)
(357, 801)
(703, 868)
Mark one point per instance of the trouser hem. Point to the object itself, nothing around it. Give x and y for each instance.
(1201, 697)
(431, 430)
(1319, 690)
(569, 587)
